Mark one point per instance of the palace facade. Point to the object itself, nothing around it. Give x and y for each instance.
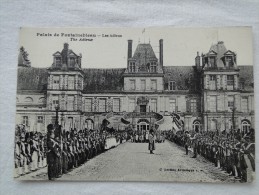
(214, 94)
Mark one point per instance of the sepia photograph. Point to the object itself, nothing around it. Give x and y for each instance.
(157, 104)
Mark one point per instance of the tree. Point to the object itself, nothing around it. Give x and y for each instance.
(23, 59)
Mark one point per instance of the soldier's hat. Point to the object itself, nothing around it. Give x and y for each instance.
(22, 136)
(50, 128)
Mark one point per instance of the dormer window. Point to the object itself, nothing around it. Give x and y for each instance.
(72, 61)
(153, 67)
(132, 67)
(58, 61)
(172, 85)
(229, 61)
(212, 61)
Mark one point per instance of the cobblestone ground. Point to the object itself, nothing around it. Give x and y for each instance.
(133, 162)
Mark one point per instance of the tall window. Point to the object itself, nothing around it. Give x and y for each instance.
(213, 103)
(143, 84)
(244, 104)
(70, 103)
(79, 83)
(131, 105)
(172, 85)
(153, 105)
(25, 120)
(212, 62)
(102, 105)
(58, 61)
(212, 82)
(132, 84)
(55, 102)
(132, 67)
(193, 105)
(196, 125)
(72, 61)
(153, 67)
(153, 84)
(56, 82)
(40, 119)
(71, 82)
(116, 105)
(229, 61)
(230, 102)
(70, 122)
(230, 82)
(172, 105)
(245, 126)
(88, 105)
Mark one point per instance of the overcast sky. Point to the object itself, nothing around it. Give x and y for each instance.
(180, 44)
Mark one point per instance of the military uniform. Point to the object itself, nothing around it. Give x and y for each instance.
(52, 154)
(151, 143)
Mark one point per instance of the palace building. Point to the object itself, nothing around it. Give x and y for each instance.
(214, 94)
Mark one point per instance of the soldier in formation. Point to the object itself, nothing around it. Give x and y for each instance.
(29, 151)
(70, 149)
(232, 152)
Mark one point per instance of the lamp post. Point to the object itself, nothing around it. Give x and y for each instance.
(233, 117)
(57, 110)
(62, 120)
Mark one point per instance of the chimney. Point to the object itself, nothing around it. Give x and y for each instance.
(198, 60)
(161, 52)
(64, 53)
(129, 51)
(66, 46)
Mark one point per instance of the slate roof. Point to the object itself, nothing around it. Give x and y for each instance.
(111, 80)
(219, 49)
(182, 75)
(30, 78)
(101, 80)
(246, 75)
(143, 52)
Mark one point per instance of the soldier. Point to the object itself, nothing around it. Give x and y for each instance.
(194, 140)
(34, 151)
(52, 153)
(27, 143)
(151, 143)
(186, 141)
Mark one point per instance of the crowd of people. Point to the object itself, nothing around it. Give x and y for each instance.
(60, 151)
(233, 152)
(29, 151)
(143, 137)
(70, 149)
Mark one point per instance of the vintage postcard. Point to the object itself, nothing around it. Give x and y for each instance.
(135, 104)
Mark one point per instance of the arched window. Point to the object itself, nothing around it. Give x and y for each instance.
(42, 100)
(28, 100)
(196, 125)
(245, 125)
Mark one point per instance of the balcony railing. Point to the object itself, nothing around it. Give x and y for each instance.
(143, 115)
